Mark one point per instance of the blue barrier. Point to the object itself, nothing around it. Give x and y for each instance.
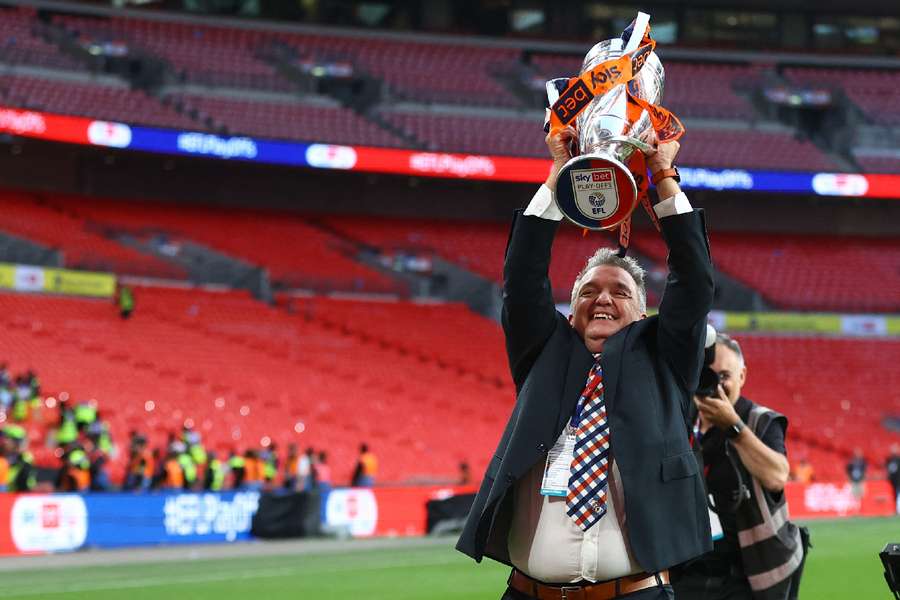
(121, 519)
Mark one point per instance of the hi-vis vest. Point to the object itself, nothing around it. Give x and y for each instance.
(771, 548)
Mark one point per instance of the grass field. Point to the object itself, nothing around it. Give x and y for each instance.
(842, 565)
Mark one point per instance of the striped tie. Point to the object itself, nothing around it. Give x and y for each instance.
(586, 498)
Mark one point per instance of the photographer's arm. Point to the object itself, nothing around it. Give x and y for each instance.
(768, 466)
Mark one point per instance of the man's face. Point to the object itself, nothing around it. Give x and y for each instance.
(606, 302)
(731, 373)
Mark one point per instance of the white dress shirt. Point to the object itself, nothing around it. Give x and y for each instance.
(543, 205)
(544, 542)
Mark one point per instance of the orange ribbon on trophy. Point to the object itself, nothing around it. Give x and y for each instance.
(581, 91)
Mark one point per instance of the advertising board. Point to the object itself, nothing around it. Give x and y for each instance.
(318, 155)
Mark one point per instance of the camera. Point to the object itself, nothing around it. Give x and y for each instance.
(890, 558)
(709, 379)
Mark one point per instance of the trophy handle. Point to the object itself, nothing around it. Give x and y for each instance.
(638, 144)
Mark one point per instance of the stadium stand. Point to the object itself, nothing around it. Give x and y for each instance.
(807, 272)
(835, 392)
(477, 246)
(330, 372)
(293, 120)
(21, 43)
(513, 135)
(216, 56)
(801, 272)
(754, 149)
(425, 73)
(792, 271)
(872, 163)
(27, 216)
(322, 359)
(296, 254)
(242, 371)
(449, 73)
(400, 326)
(117, 103)
(874, 91)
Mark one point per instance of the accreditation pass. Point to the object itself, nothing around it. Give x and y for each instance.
(558, 468)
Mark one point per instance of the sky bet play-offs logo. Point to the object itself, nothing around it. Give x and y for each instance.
(595, 190)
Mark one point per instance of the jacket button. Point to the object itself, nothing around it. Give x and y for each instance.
(542, 447)
(510, 477)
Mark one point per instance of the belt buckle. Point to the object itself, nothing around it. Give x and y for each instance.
(566, 590)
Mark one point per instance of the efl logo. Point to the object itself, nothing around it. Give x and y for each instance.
(572, 101)
(597, 203)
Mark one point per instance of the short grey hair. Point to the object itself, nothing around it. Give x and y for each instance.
(608, 256)
(732, 344)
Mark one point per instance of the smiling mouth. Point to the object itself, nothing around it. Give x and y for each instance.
(603, 317)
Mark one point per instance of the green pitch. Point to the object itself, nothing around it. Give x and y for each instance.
(842, 565)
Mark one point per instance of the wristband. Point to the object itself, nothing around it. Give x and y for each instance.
(664, 173)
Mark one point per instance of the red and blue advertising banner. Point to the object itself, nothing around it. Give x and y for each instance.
(47, 523)
(450, 165)
(831, 500)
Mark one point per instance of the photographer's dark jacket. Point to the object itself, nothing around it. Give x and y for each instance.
(648, 369)
(759, 540)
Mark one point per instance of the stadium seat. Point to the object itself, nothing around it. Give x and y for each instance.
(296, 254)
(207, 55)
(23, 45)
(94, 100)
(27, 216)
(242, 370)
(807, 272)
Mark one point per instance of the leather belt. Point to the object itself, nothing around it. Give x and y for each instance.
(604, 590)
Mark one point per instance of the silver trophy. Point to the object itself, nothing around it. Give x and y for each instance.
(596, 189)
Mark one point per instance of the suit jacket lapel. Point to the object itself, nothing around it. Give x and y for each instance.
(611, 362)
(580, 361)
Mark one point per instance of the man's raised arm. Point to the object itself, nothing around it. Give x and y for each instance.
(688, 296)
(529, 313)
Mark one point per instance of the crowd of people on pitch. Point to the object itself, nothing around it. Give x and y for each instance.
(185, 464)
(84, 447)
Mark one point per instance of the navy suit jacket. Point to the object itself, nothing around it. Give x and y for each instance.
(649, 370)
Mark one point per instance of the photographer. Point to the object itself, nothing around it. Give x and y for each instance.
(757, 553)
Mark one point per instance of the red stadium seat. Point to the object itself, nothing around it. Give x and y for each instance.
(807, 272)
(26, 216)
(242, 370)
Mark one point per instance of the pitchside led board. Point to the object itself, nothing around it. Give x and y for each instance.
(48, 523)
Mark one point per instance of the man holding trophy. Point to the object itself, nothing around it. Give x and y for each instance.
(593, 491)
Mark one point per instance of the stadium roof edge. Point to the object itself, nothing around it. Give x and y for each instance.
(670, 53)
